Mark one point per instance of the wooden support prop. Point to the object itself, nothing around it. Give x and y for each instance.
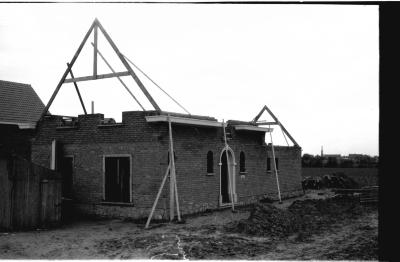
(177, 200)
(120, 80)
(158, 196)
(276, 171)
(77, 91)
(265, 108)
(230, 178)
(67, 71)
(171, 173)
(88, 78)
(127, 66)
(95, 52)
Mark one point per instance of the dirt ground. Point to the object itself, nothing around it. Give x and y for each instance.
(206, 236)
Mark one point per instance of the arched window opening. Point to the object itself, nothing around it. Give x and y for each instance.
(242, 162)
(210, 162)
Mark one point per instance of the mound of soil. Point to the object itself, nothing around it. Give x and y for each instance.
(335, 180)
(302, 217)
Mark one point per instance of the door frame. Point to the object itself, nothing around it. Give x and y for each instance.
(73, 171)
(232, 162)
(130, 174)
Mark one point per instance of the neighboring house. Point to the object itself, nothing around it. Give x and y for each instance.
(20, 108)
(335, 159)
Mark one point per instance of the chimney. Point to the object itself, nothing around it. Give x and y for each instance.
(92, 107)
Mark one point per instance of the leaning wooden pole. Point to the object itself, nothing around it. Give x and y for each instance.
(276, 171)
(119, 78)
(171, 173)
(230, 179)
(67, 71)
(77, 90)
(127, 66)
(177, 200)
(157, 197)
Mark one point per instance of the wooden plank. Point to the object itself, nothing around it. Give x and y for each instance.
(88, 78)
(280, 124)
(261, 123)
(95, 52)
(183, 121)
(177, 200)
(120, 80)
(171, 173)
(157, 197)
(230, 177)
(77, 91)
(276, 171)
(67, 71)
(127, 66)
(157, 85)
(265, 108)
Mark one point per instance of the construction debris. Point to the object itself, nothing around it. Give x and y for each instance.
(302, 217)
(335, 180)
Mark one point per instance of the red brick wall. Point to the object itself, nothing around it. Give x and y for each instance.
(147, 144)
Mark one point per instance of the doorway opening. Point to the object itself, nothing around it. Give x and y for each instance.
(227, 181)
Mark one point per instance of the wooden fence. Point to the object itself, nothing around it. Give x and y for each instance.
(30, 195)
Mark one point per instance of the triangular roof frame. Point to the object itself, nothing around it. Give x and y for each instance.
(277, 122)
(94, 28)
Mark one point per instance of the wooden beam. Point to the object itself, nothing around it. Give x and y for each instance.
(183, 121)
(88, 78)
(276, 171)
(259, 115)
(67, 71)
(265, 108)
(280, 124)
(95, 52)
(171, 173)
(230, 178)
(158, 196)
(265, 123)
(252, 128)
(77, 90)
(127, 66)
(177, 199)
(120, 80)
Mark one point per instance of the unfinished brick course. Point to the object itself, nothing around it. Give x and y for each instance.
(147, 146)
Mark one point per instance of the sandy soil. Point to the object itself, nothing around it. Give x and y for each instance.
(201, 237)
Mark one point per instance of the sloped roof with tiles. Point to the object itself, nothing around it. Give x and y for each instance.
(19, 104)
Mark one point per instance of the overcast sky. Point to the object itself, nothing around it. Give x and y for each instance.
(315, 66)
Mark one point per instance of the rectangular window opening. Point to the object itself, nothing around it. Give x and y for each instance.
(117, 179)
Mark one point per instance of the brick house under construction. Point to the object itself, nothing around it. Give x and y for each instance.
(116, 169)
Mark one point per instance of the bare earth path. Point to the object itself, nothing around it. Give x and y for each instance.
(201, 237)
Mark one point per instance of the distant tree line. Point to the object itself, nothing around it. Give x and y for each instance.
(355, 161)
